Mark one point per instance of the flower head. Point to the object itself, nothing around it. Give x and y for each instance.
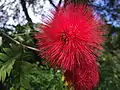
(71, 37)
(83, 78)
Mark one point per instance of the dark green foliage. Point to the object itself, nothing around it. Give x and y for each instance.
(110, 71)
(110, 64)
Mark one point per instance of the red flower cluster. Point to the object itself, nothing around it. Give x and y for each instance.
(71, 40)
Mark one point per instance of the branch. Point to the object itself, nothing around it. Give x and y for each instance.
(17, 42)
(51, 2)
(23, 3)
(60, 1)
(56, 7)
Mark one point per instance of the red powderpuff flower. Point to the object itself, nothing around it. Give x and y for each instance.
(72, 37)
(84, 78)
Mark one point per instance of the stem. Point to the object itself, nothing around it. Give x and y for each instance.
(17, 42)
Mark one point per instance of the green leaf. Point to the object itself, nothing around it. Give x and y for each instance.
(21, 88)
(2, 75)
(7, 50)
(12, 88)
(3, 57)
(6, 69)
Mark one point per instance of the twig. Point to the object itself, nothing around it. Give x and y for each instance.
(60, 1)
(51, 2)
(21, 34)
(23, 3)
(32, 48)
(17, 42)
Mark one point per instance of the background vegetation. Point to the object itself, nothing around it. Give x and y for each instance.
(20, 66)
